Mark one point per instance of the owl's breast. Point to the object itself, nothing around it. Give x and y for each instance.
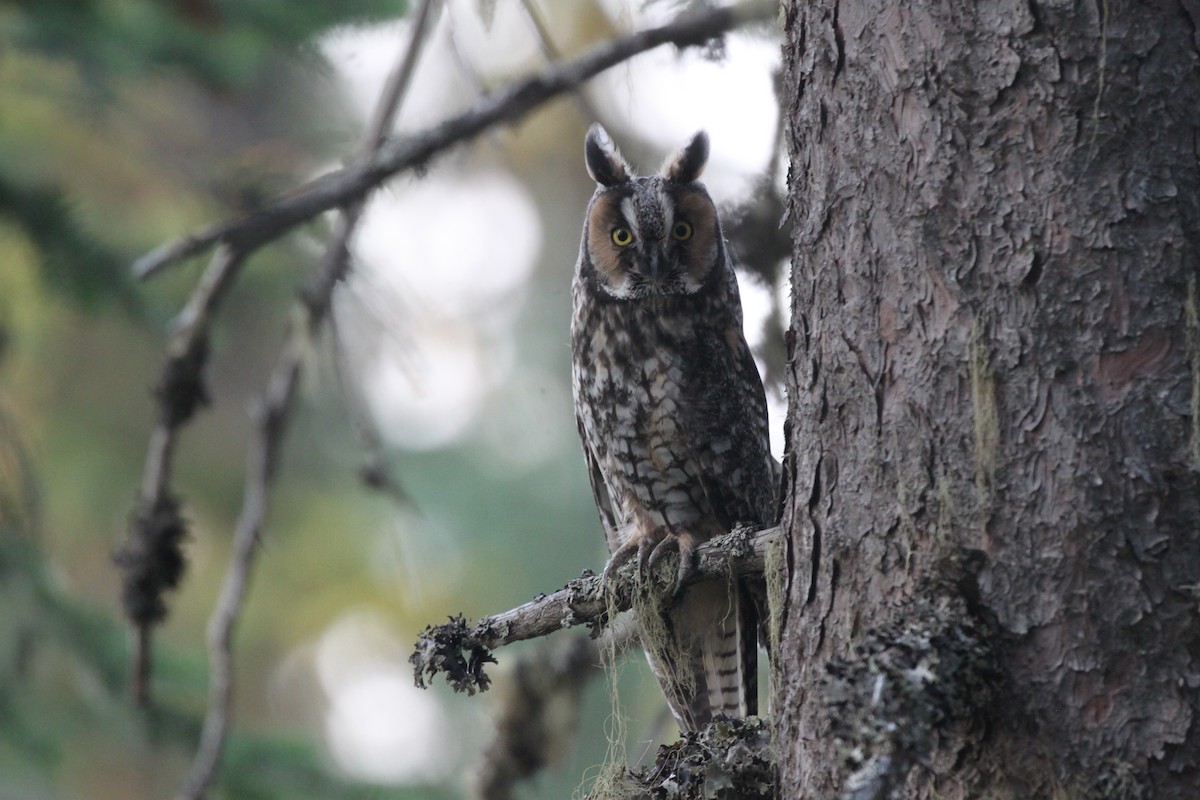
(632, 392)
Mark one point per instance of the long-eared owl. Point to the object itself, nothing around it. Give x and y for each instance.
(671, 411)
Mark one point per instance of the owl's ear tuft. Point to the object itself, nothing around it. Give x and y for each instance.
(686, 165)
(604, 162)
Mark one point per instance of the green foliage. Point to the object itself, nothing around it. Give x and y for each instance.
(100, 111)
(73, 261)
(42, 629)
(225, 43)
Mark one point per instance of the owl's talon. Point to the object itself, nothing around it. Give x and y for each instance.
(687, 566)
(619, 557)
(687, 563)
(667, 545)
(650, 550)
(645, 554)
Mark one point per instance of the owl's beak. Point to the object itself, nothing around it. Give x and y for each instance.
(656, 261)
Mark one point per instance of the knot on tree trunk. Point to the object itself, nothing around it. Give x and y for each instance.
(924, 682)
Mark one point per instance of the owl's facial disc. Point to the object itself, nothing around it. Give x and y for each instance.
(649, 237)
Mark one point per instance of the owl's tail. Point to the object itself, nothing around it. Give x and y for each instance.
(711, 665)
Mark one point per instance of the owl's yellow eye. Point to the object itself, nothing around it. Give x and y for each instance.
(682, 231)
(622, 237)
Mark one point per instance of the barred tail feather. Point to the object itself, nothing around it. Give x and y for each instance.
(729, 654)
(713, 670)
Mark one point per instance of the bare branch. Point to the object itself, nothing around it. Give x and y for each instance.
(465, 68)
(551, 53)
(272, 419)
(461, 651)
(396, 87)
(376, 472)
(191, 324)
(352, 183)
(150, 561)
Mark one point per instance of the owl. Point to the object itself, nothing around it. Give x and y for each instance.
(671, 412)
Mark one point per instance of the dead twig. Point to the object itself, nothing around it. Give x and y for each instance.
(151, 561)
(272, 418)
(550, 51)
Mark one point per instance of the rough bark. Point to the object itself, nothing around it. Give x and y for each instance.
(994, 363)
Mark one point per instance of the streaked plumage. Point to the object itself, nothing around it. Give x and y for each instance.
(671, 409)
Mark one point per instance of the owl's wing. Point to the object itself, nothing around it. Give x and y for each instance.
(722, 426)
(726, 433)
(604, 504)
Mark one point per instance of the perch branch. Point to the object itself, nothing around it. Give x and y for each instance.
(352, 183)
(461, 651)
(272, 419)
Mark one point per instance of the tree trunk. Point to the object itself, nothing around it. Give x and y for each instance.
(995, 377)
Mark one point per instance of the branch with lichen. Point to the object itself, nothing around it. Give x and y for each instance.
(460, 651)
(926, 680)
(151, 560)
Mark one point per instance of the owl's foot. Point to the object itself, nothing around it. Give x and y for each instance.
(684, 544)
(641, 545)
(650, 549)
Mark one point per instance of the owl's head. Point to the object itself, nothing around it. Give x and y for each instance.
(653, 235)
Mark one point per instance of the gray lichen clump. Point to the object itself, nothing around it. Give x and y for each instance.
(726, 760)
(924, 682)
(451, 648)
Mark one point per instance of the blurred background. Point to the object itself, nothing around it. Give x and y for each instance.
(126, 123)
